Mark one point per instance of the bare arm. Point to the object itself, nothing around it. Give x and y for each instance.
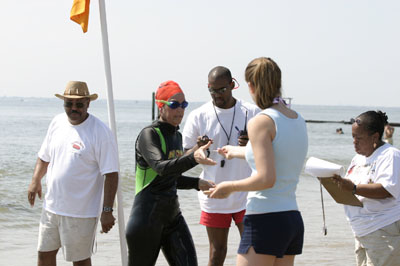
(35, 186)
(261, 134)
(372, 191)
(110, 189)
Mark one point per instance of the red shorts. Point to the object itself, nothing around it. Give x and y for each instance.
(221, 220)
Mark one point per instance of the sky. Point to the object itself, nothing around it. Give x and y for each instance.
(330, 52)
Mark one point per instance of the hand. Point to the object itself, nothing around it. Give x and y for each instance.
(32, 190)
(205, 184)
(203, 140)
(228, 151)
(201, 157)
(107, 221)
(343, 183)
(221, 191)
(243, 139)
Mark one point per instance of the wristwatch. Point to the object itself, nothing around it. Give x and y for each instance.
(107, 209)
(354, 189)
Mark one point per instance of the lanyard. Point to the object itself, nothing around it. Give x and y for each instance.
(226, 133)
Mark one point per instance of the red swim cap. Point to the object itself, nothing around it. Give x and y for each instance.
(166, 90)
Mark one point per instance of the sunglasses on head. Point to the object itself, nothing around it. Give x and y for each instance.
(70, 104)
(357, 121)
(174, 104)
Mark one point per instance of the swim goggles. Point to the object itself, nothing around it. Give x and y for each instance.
(174, 104)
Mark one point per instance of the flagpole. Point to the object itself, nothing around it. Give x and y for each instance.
(111, 116)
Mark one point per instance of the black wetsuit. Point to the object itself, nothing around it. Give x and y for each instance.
(156, 221)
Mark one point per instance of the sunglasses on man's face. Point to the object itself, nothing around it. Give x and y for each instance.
(217, 91)
(174, 104)
(70, 104)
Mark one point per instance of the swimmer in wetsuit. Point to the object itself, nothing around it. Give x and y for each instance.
(156, 221)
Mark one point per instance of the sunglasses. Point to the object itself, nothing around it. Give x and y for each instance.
(70, 104)
(357, 121)
(222, 90)
(174, 104)
(217, 91)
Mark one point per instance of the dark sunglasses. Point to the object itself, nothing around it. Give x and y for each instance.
(222, 90)
(174, 104)
(70, 104)
(217, 91)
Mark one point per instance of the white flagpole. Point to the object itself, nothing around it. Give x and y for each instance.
(111, 116)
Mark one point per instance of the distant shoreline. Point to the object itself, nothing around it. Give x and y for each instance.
(200, 102)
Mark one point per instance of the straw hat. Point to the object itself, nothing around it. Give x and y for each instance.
(77, 90)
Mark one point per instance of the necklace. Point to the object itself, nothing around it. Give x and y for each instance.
(226, 133)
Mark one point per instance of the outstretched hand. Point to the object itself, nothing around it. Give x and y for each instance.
(203, 140)
(221, 191)
(205, 184)
(230, 152)
(201, 157)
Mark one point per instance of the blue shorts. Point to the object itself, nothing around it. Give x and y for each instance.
(276, 233)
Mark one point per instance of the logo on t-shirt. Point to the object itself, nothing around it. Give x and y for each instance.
(175, 154)
(77, 146)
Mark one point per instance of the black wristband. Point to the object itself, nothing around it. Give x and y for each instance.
(354, 189)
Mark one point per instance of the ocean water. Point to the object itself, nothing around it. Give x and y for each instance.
(23, 124)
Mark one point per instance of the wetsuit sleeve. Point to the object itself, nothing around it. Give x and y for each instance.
(187, 182)
(148, 147)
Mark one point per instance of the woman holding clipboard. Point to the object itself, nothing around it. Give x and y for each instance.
(374, 177)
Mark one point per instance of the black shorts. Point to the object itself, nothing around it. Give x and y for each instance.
(277, 233)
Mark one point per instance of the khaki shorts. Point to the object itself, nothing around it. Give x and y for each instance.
(74, 235)
(379, 248)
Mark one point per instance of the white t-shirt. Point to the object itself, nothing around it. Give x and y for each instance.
(203, 121)
(383, 167)
(78, 158)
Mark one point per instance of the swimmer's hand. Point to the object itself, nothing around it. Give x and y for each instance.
(221, 191)
(205, 184)
(201, 157)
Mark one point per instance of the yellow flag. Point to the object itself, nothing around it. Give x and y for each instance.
(80, 13)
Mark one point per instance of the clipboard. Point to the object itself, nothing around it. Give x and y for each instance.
(340, 196)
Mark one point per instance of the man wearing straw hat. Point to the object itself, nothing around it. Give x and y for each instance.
(76, 154)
